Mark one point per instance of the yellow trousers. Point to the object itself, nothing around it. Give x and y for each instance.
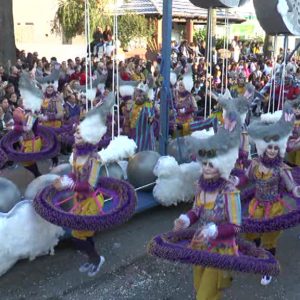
(209, 283)
(268, 240)
(53, 123)
(88, 207)
(32, 145)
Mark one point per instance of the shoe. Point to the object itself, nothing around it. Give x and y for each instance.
(266, 280)
(96, 268)
(85, 267)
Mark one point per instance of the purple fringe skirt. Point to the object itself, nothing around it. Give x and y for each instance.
(174, 246)
(50, 147)
(121, 208)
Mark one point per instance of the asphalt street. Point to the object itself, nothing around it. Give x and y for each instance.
(129, 272)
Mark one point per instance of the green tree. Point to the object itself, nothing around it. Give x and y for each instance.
(7, 36)
(200, 35)
(134, 26)
(70, 16)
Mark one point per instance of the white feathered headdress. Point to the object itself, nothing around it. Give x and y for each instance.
(31, 94)
(93, 127)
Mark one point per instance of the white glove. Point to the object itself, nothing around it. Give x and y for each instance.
(182, 110)
(43, 118)
(181, 223)
(210, 231)
(67, 182)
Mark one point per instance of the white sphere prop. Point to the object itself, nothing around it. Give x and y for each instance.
(10, 195)
(39, 184)
(62, 169)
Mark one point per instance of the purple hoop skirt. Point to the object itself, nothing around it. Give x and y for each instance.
(118, 211)
(174, 246)
(49, 140)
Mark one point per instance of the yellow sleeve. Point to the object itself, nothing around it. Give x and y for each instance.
(94, 173)
(233, 207)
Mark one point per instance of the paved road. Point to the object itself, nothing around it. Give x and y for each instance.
(129, 273)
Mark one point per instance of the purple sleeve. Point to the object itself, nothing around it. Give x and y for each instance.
(194, 215)
(18, 128)
(82, 187)
(51, 116)
(226, 231)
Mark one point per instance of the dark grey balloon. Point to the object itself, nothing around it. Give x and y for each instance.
(176, 145)
(140, 169)
(273, 22)
(218, 3)
(62, 169)
(10, 195)
(38, 184)
(113, 170)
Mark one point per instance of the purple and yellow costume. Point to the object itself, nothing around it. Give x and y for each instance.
(30, 142)
(293, 147)
(87, 201)
(225, 212)
(185, 106)
(267, 202)
(52, 108)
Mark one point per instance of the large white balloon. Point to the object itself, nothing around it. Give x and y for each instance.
(24, 234)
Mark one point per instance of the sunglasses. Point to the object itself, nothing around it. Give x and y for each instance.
(207, 164)
(207, 153)
(274, 138)
(271, 147)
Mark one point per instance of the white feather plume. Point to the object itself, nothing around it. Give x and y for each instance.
(271, 117)
(31, 101)
(118, 149)
(175, 183)
(126, 90)
(203, 134)
(173, 78)
(92, 129)
(188, 82)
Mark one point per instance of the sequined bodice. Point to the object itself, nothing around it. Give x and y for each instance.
(49, 105)
(214, 212)
(267, 184)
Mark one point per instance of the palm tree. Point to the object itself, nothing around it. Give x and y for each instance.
(7, 36)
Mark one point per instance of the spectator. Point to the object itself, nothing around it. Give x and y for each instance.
(14, 79)
(8, 115)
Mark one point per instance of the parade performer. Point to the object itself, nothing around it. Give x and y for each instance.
(217, 206)
(25, 121)
(268, 172)
(52, 112)
(28, 142)
(241, 106)
(88, 213)
(293, 147)
(184, 102)
(83, 180)
(126, 93)
(213, 248)
(142, 116)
